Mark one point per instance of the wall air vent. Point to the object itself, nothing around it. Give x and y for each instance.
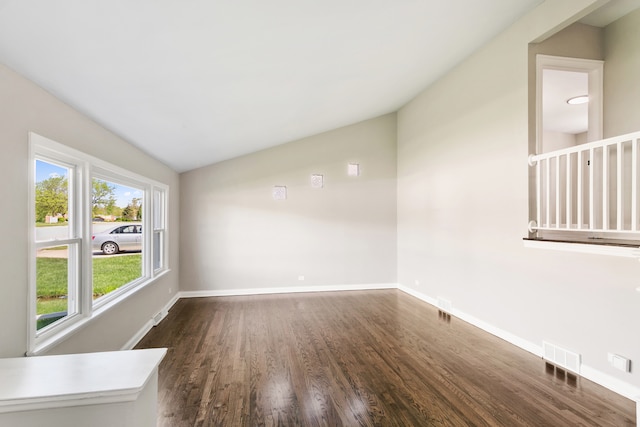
(317, 181)
(279, 192)
(561, 357)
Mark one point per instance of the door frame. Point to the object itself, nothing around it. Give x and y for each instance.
(595, 69)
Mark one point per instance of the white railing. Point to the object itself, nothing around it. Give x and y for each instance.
(591, 187)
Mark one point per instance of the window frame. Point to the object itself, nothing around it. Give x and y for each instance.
(159, 226)
(594, 68)
(72, 240)
(86, 167)
(104, 174)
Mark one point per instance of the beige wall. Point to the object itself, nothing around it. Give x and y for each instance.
(234, 236)
(558, 140)
(622, 76)
(463, 209)
(576, 41)
(24, 107)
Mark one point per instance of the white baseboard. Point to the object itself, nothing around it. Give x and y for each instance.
(138, 336)
(617, 386)
(285, 290)
(135, 339)
(507, 336)
(614, 384)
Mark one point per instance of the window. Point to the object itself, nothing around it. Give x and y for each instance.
(57, 249)
(159, 201)
(99, 235)
(116, 238)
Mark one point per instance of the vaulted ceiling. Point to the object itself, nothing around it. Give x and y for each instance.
(195, 82)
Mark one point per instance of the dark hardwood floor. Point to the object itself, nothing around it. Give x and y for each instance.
(360, 358)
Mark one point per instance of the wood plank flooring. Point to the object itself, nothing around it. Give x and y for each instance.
(360, 358)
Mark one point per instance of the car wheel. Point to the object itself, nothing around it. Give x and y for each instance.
(110, 248)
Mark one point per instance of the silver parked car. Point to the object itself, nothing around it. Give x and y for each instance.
(118, 238)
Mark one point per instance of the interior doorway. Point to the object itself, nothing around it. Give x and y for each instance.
(569, 101)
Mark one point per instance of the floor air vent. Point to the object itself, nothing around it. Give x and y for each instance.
(561, 357)
(158, 317)
(444, 305)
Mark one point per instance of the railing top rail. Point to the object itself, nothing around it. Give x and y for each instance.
(585, 147)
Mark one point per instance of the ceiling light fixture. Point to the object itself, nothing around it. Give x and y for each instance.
(577, 100)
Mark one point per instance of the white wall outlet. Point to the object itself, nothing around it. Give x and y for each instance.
(619, 362)
(301, 278)
(417, 282)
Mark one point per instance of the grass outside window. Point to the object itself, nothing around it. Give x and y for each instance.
(109, 274)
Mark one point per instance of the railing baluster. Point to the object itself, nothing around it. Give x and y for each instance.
(568, 209)
(592, 222)
(538, 193)
(579, 201)
(634, 184)
(557, 176)
(619, 200)
(548, 193)
(605, 187)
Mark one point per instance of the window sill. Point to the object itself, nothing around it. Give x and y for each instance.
(598, 247)
(42, 346)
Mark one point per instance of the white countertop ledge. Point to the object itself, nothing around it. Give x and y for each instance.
(29, 383)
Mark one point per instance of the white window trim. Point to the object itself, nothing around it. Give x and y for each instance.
(162, 229)
(80, 204)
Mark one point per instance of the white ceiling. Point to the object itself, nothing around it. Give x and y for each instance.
(194, 82)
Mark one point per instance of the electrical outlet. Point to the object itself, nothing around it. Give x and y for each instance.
(301, 278)
(619, 362)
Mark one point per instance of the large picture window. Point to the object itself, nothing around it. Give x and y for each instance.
(98, 236)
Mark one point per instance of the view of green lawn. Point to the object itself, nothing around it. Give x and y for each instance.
(109, 274)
